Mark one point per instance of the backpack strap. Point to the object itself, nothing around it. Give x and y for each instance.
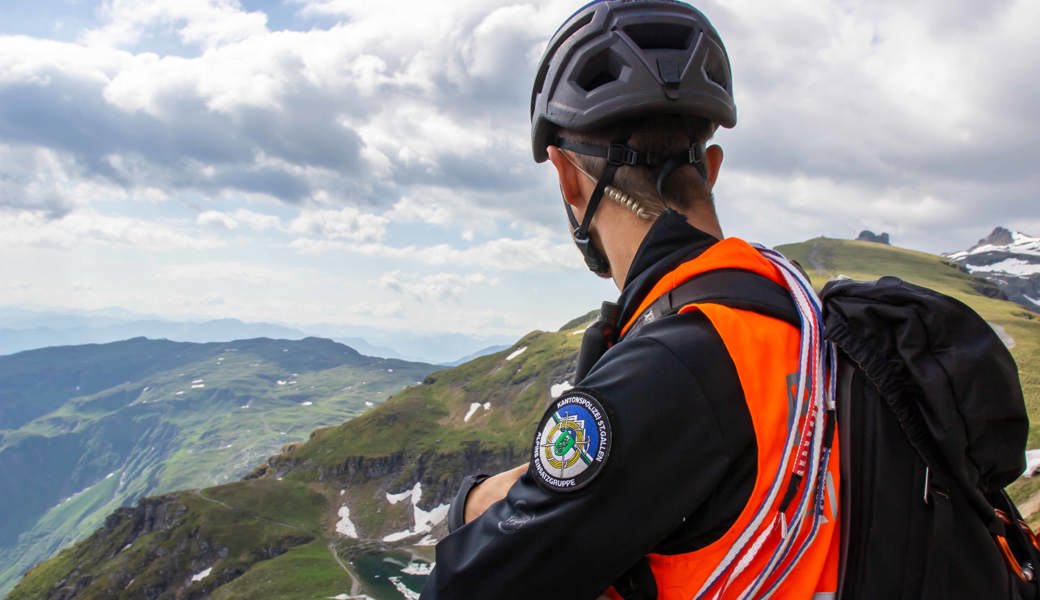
(735, 288)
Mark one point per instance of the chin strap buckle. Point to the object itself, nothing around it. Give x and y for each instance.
(695, 154)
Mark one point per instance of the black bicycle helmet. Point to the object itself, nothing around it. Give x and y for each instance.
(617, 59)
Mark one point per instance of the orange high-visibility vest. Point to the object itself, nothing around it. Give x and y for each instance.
(766, 354)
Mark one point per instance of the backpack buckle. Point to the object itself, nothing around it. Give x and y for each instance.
(1023, 570)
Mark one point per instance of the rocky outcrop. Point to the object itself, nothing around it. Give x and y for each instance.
(869, 236)
(1000, 236)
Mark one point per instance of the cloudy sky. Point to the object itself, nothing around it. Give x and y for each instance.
(354, 162)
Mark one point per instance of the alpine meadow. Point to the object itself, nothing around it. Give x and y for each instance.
(353, 511)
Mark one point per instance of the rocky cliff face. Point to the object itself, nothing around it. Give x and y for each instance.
(1008, 259)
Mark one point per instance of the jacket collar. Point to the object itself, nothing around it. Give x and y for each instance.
(670, 241)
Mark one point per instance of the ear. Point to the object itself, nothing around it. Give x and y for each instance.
(570, 178)
(713, 162)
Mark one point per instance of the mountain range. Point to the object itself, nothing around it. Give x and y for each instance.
(353, 511)
(22, 329)
(1011, 260)
(87, 429)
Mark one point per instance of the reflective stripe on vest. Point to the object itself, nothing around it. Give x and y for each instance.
(765, 352)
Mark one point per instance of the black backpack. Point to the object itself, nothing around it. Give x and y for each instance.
(932, 427)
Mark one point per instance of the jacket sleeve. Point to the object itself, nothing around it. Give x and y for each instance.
(671, 447)
(457, 512)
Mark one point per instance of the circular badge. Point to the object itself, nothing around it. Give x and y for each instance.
(572, 443)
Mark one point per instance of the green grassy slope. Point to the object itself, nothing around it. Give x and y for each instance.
(225, 529)
(420, 436)
(198, 415)
(825, 258)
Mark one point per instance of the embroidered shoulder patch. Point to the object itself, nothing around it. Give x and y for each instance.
(572, 443)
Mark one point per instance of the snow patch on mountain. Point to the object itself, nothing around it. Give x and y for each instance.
(1011, 266)
(473, 408)
(424, 520)
(418, 568)
(345, 526)
(403, 589)
(516, 353)
(201, 575)
(395, 498)
(557, 389)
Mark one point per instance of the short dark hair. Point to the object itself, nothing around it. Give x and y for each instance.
(663, 135)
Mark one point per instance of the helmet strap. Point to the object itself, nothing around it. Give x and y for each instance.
(694, 155)
(595, 259)
(617, 154)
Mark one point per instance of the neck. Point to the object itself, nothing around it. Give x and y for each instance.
(621, 239)
(705, 219)
(621, 242)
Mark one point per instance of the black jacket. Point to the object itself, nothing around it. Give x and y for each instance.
(681, 463)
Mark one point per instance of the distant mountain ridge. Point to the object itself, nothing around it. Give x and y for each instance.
(85, 429)
(23, 329)
(302, 524)
(1009, 259)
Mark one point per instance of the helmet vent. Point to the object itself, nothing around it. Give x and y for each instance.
(661, 36)
(716, 70)
(598, 71)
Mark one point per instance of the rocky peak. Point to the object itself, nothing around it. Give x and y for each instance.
(869, 236)
(1010, 260)
(1002, 243)
(999, 237)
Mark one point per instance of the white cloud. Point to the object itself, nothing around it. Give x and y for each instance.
(348, 223)
(257, 221)
(450, 209)
(240, 217)
(34, 228)
(381, 310)
(915, 118)
(213, 217)
(207, 23)
(311, 247)
(819, 205)
(225, 272)
(503, 254)
(382, 111)
(14, 286)
(439, 286)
